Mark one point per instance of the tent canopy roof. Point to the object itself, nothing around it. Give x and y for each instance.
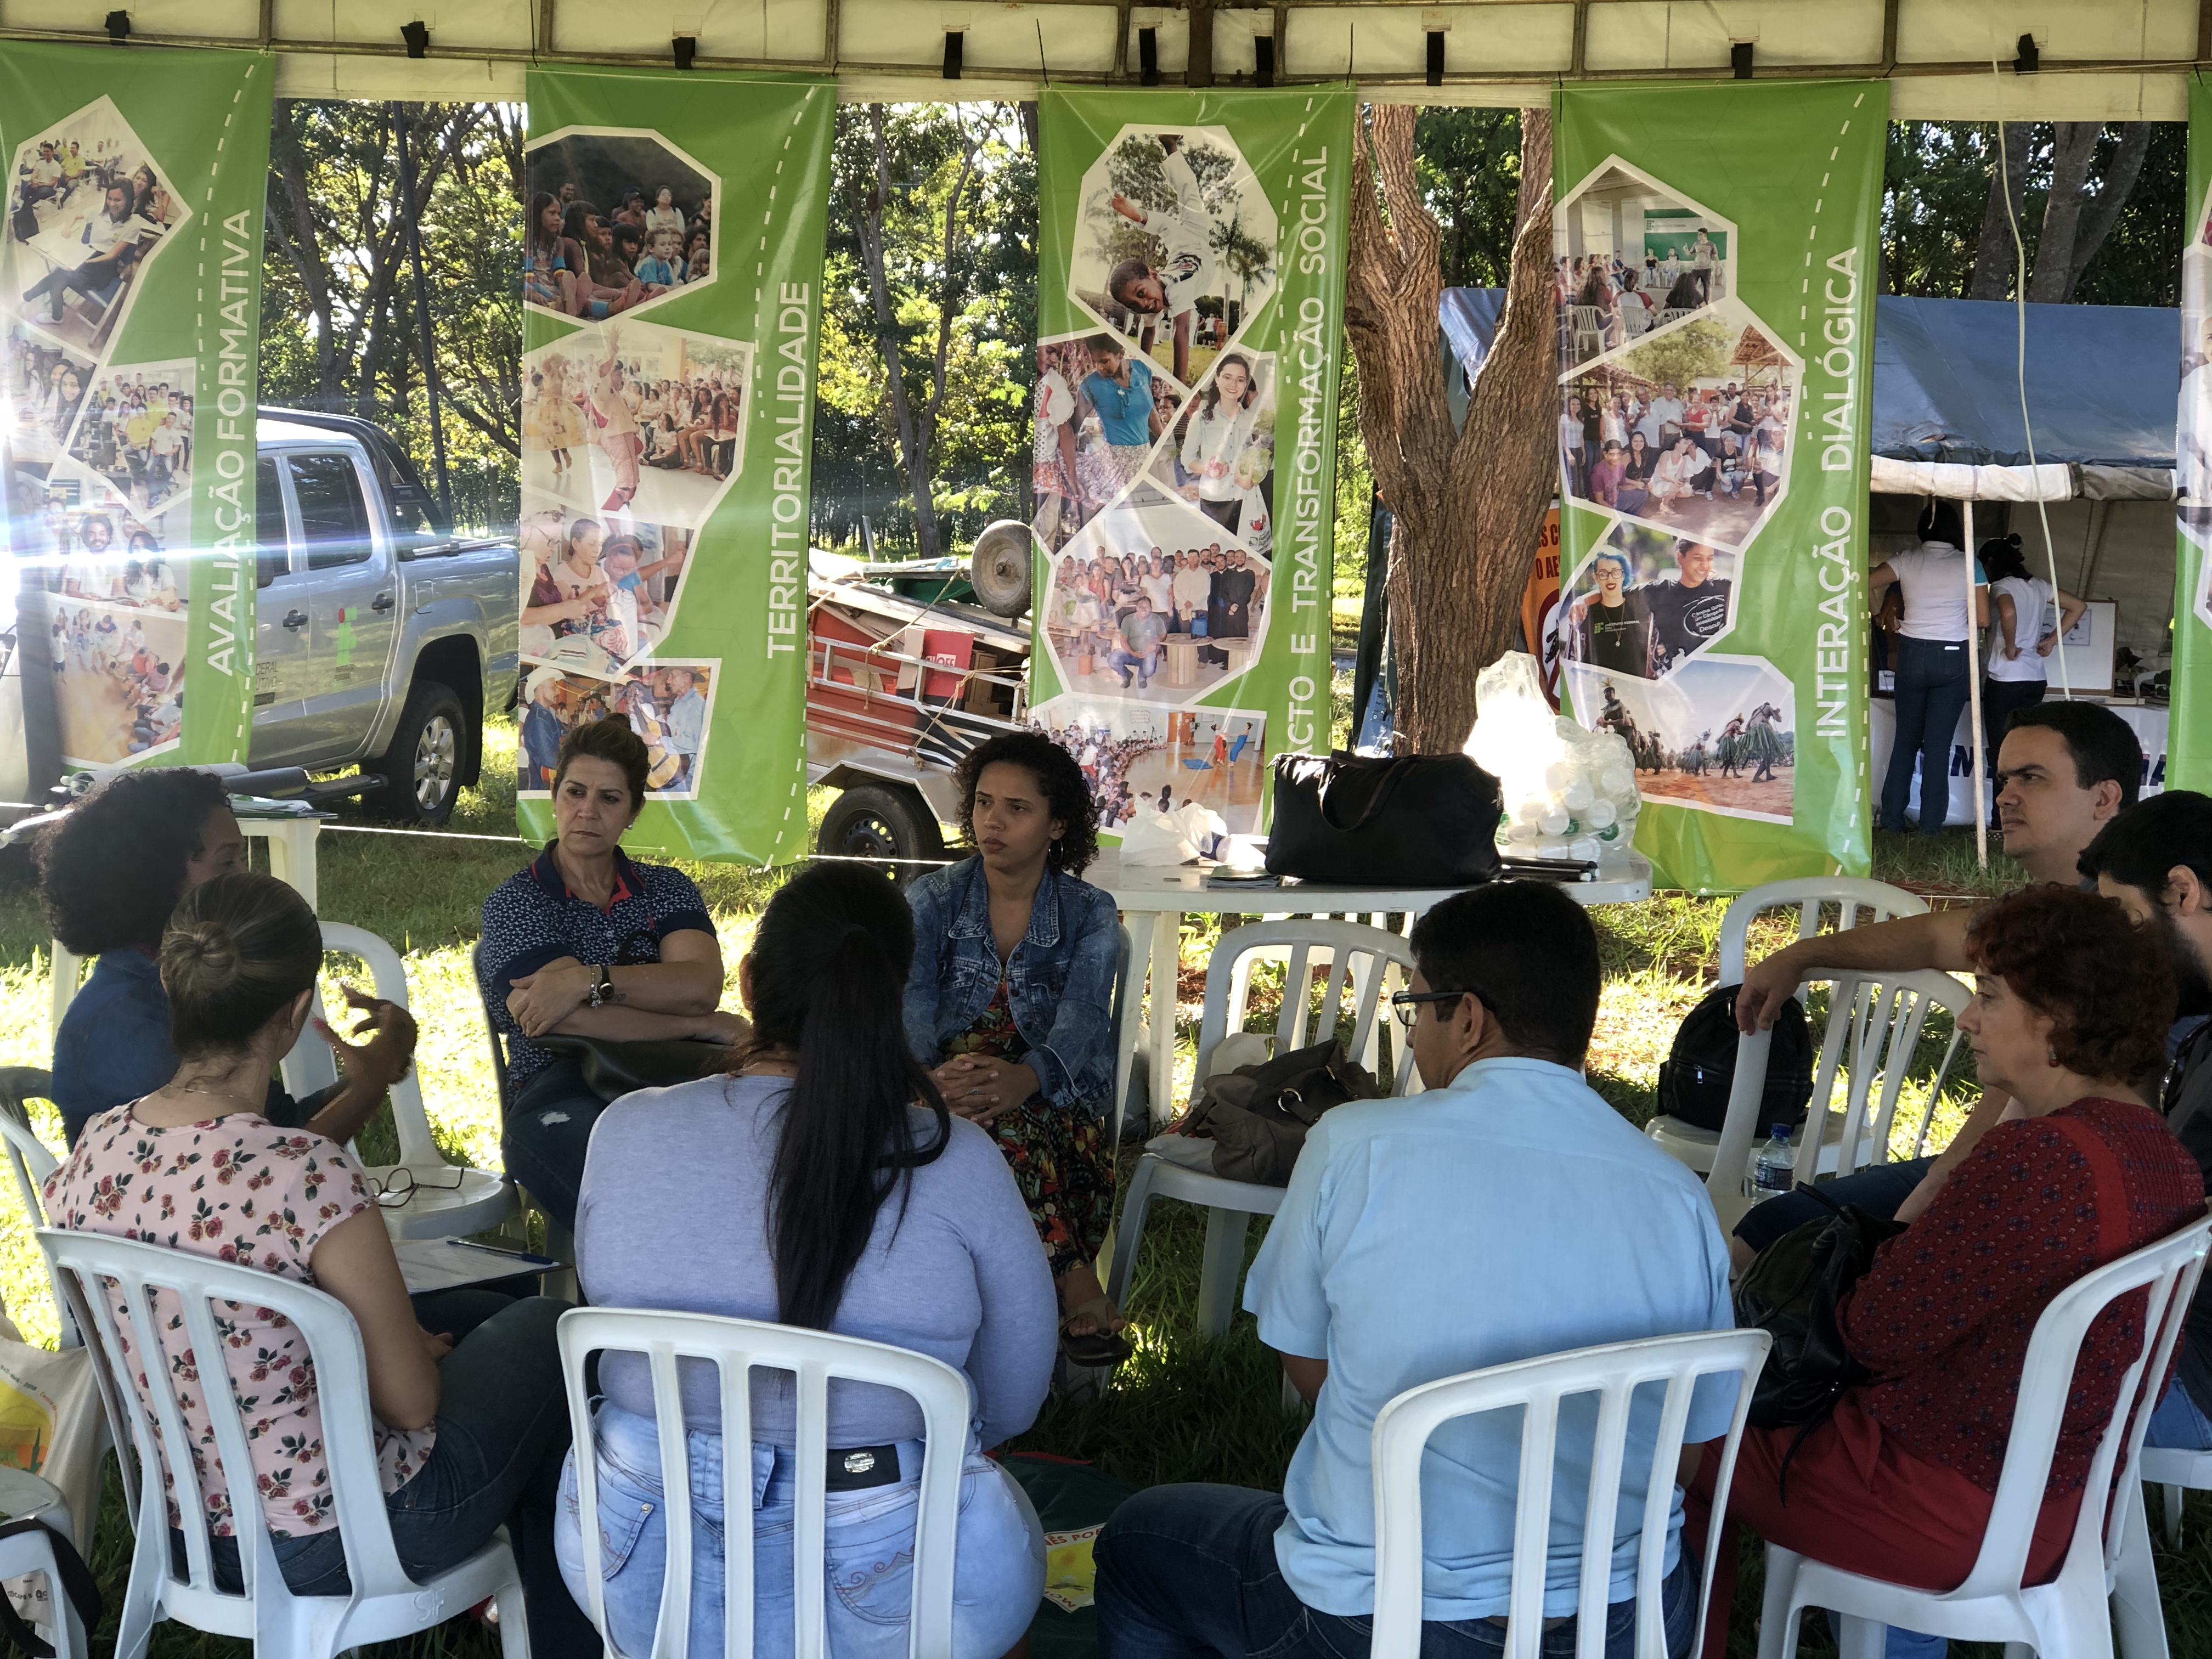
(2100, 59)
(2101, 380)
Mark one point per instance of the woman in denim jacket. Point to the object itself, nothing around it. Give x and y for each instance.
(1011, 1005)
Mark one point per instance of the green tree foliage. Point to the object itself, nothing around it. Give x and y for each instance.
(1470, 168)
(966, 288)
(338, 320)
(1936, 218)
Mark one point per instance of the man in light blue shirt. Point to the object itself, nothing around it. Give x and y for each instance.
(1506, 1213)
(686, 723)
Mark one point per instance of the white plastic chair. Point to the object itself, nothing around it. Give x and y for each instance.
(385, 1604)
(2108, 1578)
(483, 1199)
(1536, 1388)
(1876, 1029)
(1590, 327)
(1360, 961)
(735, 1347)
(2174, 1470)
(32, 1161)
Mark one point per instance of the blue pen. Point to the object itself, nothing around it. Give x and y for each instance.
(519, 1255)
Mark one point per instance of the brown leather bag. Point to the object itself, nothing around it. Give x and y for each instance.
(1257, 1115)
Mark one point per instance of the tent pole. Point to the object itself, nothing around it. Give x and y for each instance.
(1974, 699)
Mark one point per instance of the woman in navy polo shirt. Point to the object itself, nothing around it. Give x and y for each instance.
(586, 942)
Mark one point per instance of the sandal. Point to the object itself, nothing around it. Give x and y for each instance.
(1093, 1350)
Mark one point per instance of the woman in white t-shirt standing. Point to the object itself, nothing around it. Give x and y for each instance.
(1934, 658)
(2024, 630)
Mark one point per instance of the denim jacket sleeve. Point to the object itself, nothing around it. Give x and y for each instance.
(927, 898)
(1074, 1061)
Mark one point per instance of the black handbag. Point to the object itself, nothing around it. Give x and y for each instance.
(1791, 1292)
(1415, 821)
(613, 1069)
(1257, 1115)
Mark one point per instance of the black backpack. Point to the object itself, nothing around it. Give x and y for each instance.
(1695, 1077)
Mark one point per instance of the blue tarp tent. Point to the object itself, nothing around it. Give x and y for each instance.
(2101, 381)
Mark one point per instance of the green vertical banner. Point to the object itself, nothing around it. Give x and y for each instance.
(672, 305)
(1190, 306)
(1716, 334)
(2189, 742)
(131, 289)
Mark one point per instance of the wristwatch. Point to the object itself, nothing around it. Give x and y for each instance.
(602, 989)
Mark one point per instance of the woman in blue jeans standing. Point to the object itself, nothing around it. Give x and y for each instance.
(1934, 657)
(830, 1188)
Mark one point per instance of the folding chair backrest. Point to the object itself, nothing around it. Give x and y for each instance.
(1858, 901)
(735, 1347)
(2168, 1269)
(96, 1271)
(32, 1161)
(1362, 962)
(1537, 1388)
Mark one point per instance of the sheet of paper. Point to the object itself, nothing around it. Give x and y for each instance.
(442, 1264)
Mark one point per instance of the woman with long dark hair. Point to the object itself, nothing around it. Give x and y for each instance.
(2027, 617)
(1011, 1001)
(550, 261)
(846, 1198)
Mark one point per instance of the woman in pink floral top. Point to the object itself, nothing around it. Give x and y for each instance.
(469, 1435)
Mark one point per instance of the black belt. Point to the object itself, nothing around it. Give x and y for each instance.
(856, 1468)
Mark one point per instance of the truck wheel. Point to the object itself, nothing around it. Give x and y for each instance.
(882, 821)
(422, 768)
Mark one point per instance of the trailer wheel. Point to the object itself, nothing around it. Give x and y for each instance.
(882, 821)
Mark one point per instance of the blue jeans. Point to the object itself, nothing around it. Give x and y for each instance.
(549, 1130)
(503, 1427)
(1187, 1572)
(2179, 1422)
(1878, 1191)
(999, 1562)
(1932, 686)
(1121, 661)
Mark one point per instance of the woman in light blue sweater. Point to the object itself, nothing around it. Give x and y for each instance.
(825, 1186)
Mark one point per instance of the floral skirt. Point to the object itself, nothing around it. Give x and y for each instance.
(1062, 1165)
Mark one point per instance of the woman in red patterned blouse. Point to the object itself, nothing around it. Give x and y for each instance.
(2069, 1014)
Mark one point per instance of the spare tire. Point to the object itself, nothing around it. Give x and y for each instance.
(998, 568)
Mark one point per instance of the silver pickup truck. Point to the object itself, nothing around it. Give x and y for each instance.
(381, 638)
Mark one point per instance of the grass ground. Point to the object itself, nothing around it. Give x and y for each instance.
(1184, 1409)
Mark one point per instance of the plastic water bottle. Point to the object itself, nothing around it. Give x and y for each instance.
(1777, 1169)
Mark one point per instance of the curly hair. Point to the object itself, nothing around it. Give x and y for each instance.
(113, 870)
(1060, 780)
(2106, 983)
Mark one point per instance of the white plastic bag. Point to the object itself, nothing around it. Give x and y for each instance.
(1567, 793)
(1189, 833)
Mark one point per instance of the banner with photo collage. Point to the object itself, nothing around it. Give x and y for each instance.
(1716, 275)
(2189, 740)
(1190, 304)
(130, 298)
(672, 300)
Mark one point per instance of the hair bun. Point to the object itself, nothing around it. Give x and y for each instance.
(206, 949)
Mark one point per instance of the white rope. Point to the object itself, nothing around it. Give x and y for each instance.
(2027, 427)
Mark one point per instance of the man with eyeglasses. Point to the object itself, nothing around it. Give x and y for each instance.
(1506, 1214)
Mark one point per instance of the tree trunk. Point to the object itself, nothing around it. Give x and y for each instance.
(2073, 146)
(1467, 508)
(2099, 216)
(1993, 263)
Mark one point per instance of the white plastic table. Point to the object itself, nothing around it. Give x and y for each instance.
(291, 860)
(1148, 894)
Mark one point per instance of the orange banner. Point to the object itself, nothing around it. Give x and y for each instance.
(1539, 603)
